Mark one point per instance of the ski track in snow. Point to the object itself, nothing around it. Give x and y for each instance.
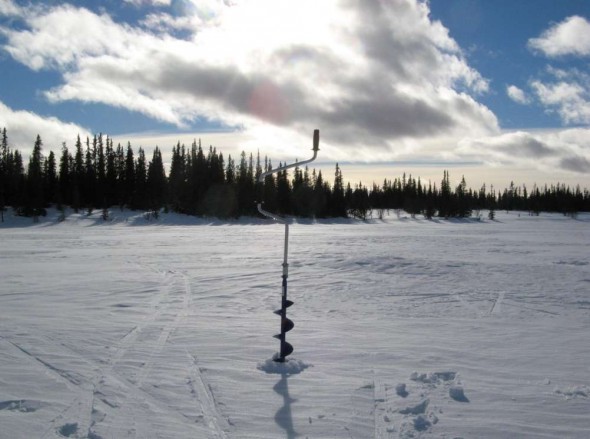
(206, 401)
(415, 329)
(80, 417)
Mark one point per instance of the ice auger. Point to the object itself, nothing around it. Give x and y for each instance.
(286, 324)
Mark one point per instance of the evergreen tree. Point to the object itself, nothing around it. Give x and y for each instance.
(463, 200)
(16, 175)
(129, 179)
(3, 172)
(177, 180)
(50, 179)
(338, 207)
(140, 196)
(65, 177)
(445, 209)
(283, 193)
(90, 186)
(34, 202)
(269, 189)
(120, 167)
(245, 187)
(320, 196)
(360, 207)
(156, 181)
(110, 177)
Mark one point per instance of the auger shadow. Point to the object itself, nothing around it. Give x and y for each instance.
(283, 416)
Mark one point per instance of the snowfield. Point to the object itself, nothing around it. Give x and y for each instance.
(404, 328)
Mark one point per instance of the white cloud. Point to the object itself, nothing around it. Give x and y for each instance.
(570, 37)
(568, 95)
(64, 36)
(23, 127)
(149, 2)
(517, 95)
(271, 65)
(9, 8)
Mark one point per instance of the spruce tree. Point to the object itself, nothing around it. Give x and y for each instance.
(283, 193)
(50, 179)
(110, 177)
(34, 203)
(129, 182)
(65, 177)
(140, 197)
(177, 179)
(338, 204)
(3, 172)
(156, 181)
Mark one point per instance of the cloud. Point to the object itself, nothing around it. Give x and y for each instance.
(62, 37)
(559, 150)
(568, 95)
(517, 95)
(149, 2)
(23, 127)
(569, 37)
(576, 164)
(568, 91)
(9, 8)
(286, 66)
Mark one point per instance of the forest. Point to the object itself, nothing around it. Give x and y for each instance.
(96, 174)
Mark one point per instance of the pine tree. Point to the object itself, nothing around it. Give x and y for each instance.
(230, 171)
(177, 179)
(463, 200)
(3, 172)
(156, 181)
(283, 193)
(338, 207)
(120, 167)
(50, 179)
(140, 197)
(110, 177)
(245, 190)
(320, 196)
(269, 189)
(129, 182)
(34, 203)
(65, 177)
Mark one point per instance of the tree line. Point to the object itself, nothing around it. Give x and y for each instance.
(444, 201)
(96, 174)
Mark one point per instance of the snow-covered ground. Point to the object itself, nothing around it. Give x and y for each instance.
(404, 328)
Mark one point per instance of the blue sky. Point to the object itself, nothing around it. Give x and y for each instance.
(497, 90)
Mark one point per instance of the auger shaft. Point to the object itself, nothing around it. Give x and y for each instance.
(286, 324)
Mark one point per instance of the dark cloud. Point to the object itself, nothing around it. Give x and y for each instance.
(576, 163)
(529, 147)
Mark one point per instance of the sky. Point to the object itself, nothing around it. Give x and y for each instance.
(497, 91)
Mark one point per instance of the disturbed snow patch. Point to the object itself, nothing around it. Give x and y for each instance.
(457, 393)
(572, 392)
(289, 367)
(434, 377)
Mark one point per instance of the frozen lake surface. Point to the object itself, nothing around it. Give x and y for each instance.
(404, 328)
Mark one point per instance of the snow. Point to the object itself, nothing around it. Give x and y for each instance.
(404, 328)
